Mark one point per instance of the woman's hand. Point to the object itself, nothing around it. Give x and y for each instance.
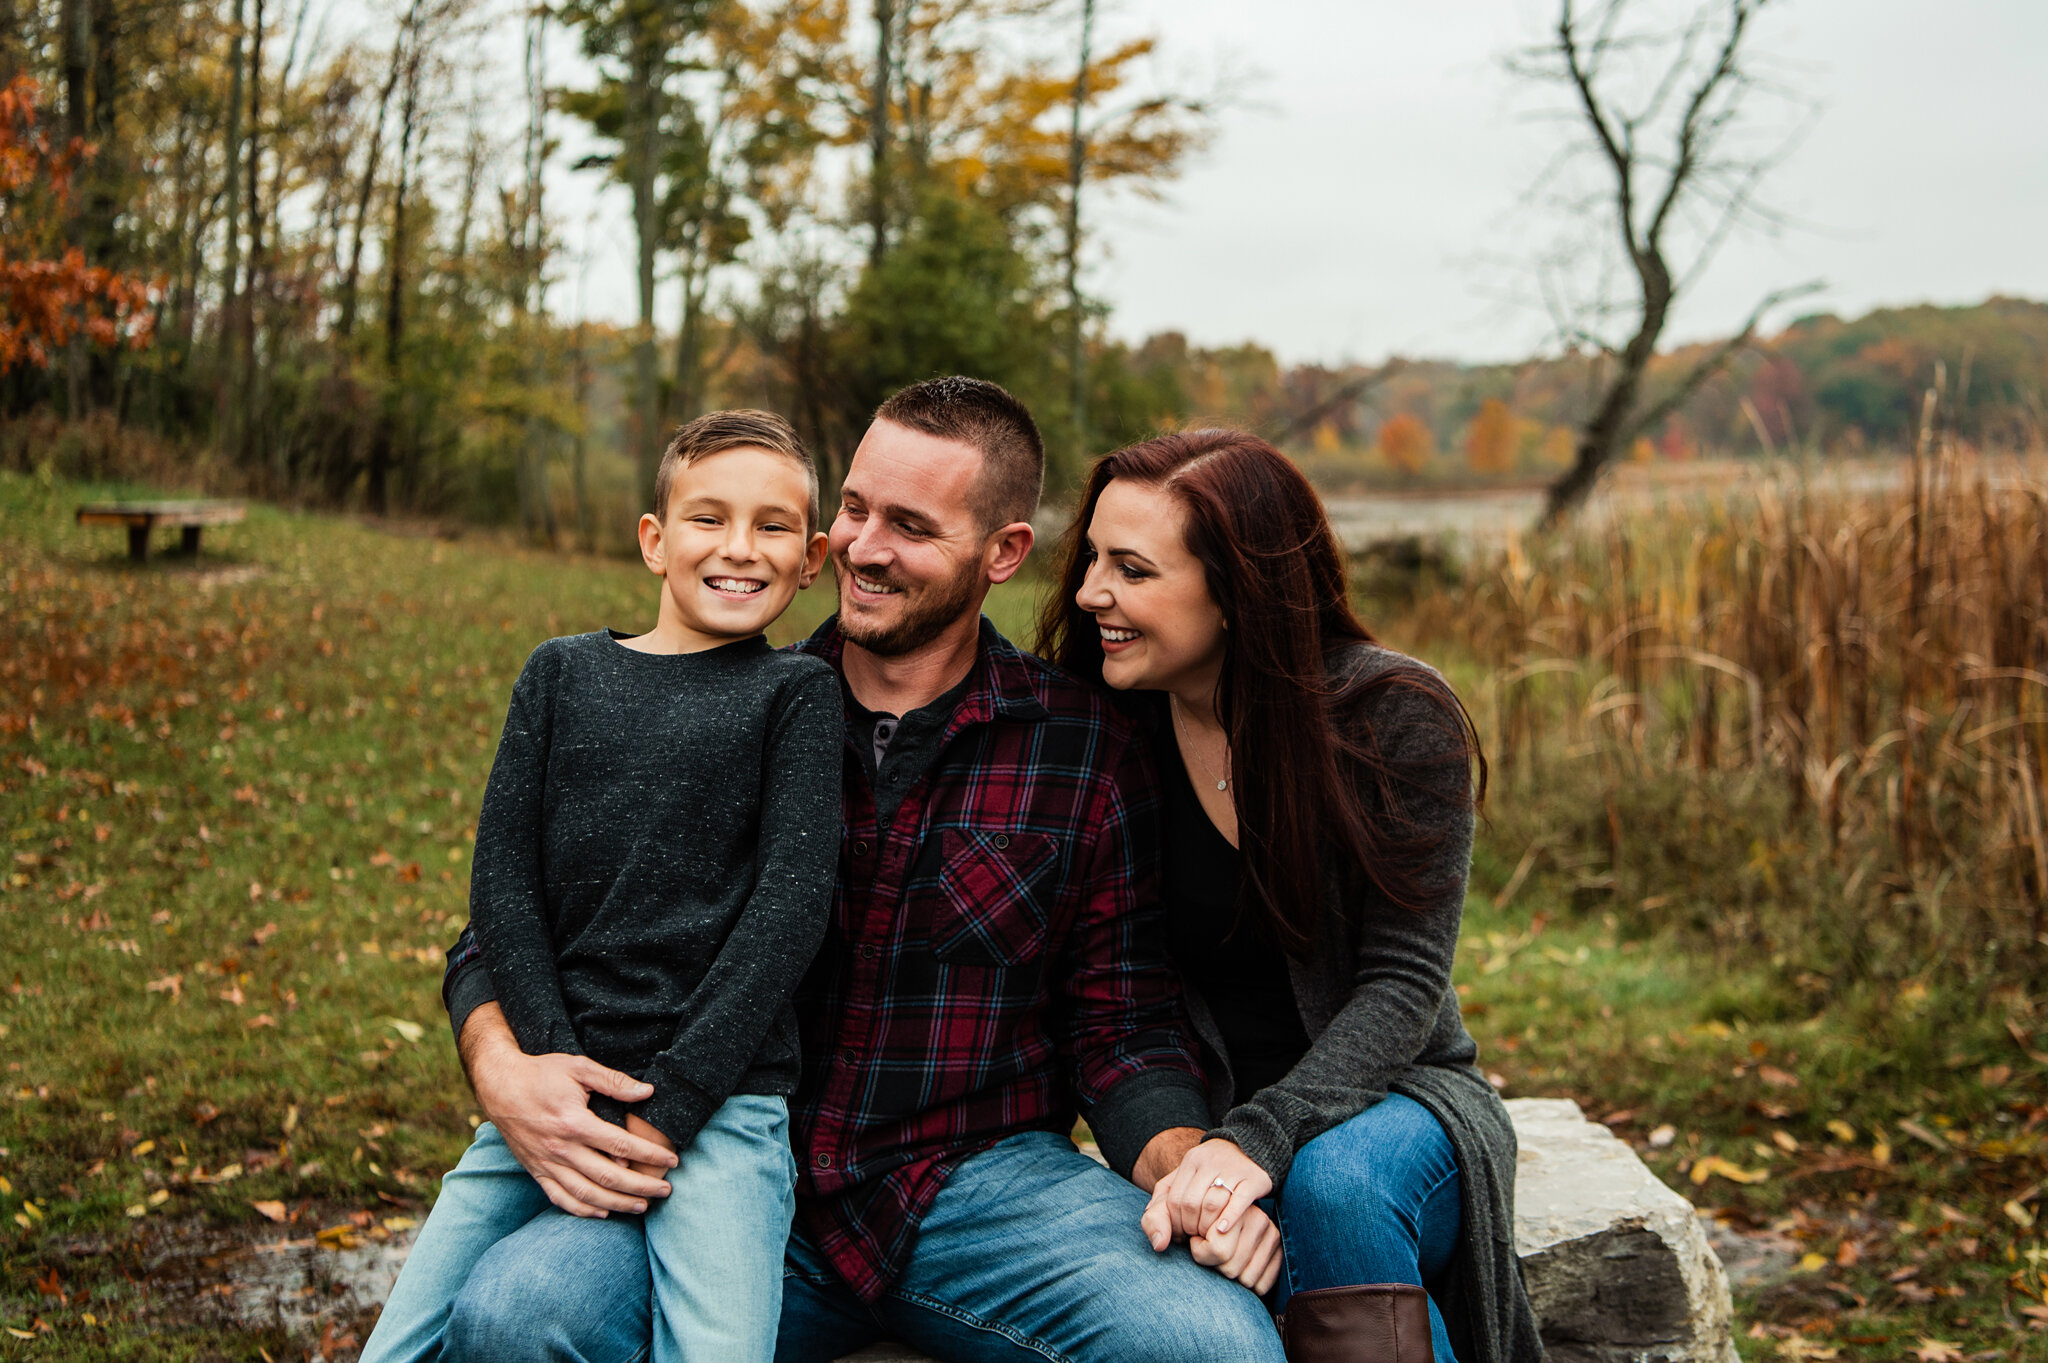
(1249, 1253)
(1213, 1187)
(647, 1131)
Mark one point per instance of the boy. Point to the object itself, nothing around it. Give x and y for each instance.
(654, 860)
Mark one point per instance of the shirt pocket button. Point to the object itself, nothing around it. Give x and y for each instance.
(1002, 842)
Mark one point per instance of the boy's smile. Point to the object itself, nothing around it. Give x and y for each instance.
(733, 550)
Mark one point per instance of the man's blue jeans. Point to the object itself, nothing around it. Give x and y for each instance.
(711, 1252)
(1030, 1252)
(1373, 1200)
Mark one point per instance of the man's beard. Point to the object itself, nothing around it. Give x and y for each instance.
(927, 610)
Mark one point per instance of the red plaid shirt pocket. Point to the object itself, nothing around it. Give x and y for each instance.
(993, 910)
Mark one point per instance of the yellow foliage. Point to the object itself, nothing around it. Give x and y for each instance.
(1560, 446)
(1490, 441)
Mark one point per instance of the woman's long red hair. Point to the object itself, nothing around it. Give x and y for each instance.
(1313, 781)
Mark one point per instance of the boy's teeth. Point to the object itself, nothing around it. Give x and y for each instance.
(736, 585)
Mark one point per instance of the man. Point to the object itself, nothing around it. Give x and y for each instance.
(993, 960)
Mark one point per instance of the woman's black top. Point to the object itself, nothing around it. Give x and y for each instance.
(1226, 954)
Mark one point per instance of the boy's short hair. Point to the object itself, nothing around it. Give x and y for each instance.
(979, 413)
(742, 428)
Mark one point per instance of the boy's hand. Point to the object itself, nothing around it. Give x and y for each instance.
(646, 1131)
(541, 1105)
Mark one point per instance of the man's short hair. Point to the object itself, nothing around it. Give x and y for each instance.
(979, 413)
(741, 429)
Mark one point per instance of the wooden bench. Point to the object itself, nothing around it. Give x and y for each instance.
(143, 517)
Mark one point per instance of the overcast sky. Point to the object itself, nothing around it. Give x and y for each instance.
(1366, 186)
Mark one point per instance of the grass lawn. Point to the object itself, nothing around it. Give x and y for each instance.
(238, 797)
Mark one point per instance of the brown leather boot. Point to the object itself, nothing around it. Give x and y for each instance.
(1375, 1323)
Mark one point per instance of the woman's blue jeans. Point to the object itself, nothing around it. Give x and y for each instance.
(1373, 1200)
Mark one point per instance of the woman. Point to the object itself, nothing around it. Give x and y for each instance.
(1318, 808)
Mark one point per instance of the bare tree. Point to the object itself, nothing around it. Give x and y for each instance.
(1669, 117)
(1077, 171)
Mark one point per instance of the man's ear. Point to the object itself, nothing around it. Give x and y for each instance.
(652, 552)
(814, 559)
(1007, 550)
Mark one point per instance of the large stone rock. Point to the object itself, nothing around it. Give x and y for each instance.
(1616, 1263)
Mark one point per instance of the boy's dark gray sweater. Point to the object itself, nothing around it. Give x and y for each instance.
(654, 863)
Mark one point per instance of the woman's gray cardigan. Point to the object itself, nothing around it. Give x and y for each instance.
(1377, 1002)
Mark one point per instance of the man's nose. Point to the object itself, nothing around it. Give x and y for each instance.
(871, 545)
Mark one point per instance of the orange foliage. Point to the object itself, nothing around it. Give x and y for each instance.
(1490, 443)
(1561, 446)
(44, 302)
(1406, 442)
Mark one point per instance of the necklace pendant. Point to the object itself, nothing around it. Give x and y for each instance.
(1223, 785)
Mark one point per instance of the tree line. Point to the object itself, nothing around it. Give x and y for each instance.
(326, 264)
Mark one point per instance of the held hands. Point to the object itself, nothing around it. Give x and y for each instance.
(1210, 1201)
(647, 1131)
(541, 1105)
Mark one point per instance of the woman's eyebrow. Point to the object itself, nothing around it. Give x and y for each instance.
(1126, 553)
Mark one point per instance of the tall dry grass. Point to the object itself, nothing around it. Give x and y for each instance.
(1811, 718)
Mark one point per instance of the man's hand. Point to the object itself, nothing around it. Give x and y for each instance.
(1162, 1155)
(1249, 1253)
(541, 1105)
(1212, 1188)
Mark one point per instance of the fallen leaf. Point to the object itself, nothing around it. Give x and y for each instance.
(1709, 1165)
(174, 985)
(2019, 1214)
(270, 1210)
(265, 933)
(411, 1031)
(1810, 1262)
(1842, 1131)
(1937, 1351)
(159, 1197)
(1785, 1141)
(291, 1119)
(233, 994)
(1994, 1076)
(399, 1223)
(1663, 1136)
(142, 1148)
(260, 1020)
(1777, 1078)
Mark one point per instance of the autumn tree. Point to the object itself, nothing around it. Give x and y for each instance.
(1406, 442)
(49, 295)
(1492, 438)
(1674, 127)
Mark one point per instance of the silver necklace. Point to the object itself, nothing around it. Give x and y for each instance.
(1222, 782)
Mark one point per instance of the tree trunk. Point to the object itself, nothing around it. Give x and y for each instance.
(382, 444)
(878, 135)
(1077, 168)
(581, 452)
(1604, 431)
(642, 119)
(350, 280)
(10, 48)
(252, 426)
(77, 58)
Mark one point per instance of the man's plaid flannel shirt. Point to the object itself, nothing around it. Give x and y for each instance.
(994, 955)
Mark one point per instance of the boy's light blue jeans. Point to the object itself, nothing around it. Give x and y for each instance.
(1031, 1252)
(711, 1252)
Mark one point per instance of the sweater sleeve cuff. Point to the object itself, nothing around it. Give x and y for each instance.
(1256, 1132)
(467, 989)
(678, 1109)
(1142, 1106)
